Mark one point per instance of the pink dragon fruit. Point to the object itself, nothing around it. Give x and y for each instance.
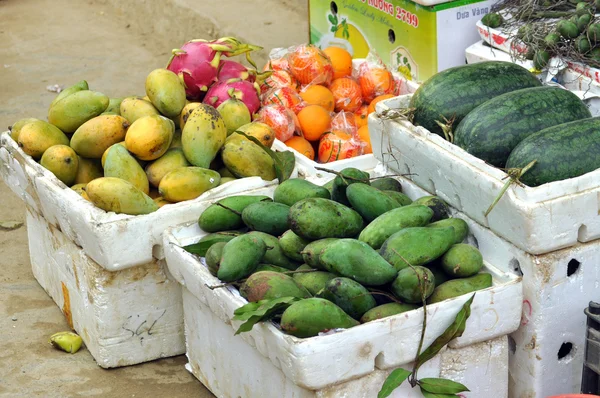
(234, 88)
(234, 70)
(197, 62)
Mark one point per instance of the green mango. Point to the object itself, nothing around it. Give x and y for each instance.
(37, 136)
(329, 186)
(295, 189)
(346, 177)
(134, 108)
(357, 260)
(385, 310)
(186, 183)
(224, 171)
(349, 295)
(417, 246)
(73, 110)
(274, 254)
(312, 253)
(439, 207)
(16, 127)
(213, 257)
(119, 163)
(399, 197)
(235, 114)
(309, 317)
(292, 245)
(369, 202)
(458, 287)
(270, 267)
(462, 261)
(166, 92)
(314, 281)
(387, 184)
(244, 158)
(203, 135)
(79, 86)
(225, 180)
(268, 285)
(439, 276)
(411, 283)
(226, 214)
(318, 218)
(461, 228)
(240, 257)
(114, 106)
(387, 224)
(171, 160)
(268, 217)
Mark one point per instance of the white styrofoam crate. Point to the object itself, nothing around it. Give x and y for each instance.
(538, 220)
(124, 317)
(353, 353)
(114, 241)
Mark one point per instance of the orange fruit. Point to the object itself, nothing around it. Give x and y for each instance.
(318, 95)
(363, 134)
(279, 78)
(338, 145)
(375, 81)
(361, 116)
(314, 121)
(309, 65)
(341, 60)
(347, 94)
(280, 119)
(301, 145)
(377, 99)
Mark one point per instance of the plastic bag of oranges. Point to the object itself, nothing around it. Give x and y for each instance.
(285, 96)
(277, 60)
(281, 119)
(278, 79)
(374, 78)
(309, 65)
(342, 142)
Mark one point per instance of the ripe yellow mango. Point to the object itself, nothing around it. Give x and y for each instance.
(119, 196)
(203, 135)
(176, 142)
(98, 134)
(160, 201)
(149, 137)
(235, 114)
(186, 112)
(80, 189)
(171, 160)
(166, 92)
(35, 137)
(74, 110)
(186, 183)
(260, 131)
(15, 129)
(133, 108)
(89, 169)
(119, 163)
(62, 161)
(246, 159)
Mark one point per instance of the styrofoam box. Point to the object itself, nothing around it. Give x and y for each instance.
(348, 355)
(114, 241)
(538, 220)
(124, 317)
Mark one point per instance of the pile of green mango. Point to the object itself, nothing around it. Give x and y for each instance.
(136, 154)
(353, 251)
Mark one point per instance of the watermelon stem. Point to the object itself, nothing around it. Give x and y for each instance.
(401, 113)
(447, 128)
(513, 174)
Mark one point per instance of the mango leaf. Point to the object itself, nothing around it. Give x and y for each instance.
(441, 386)
(456, 329)
(263, 310)
(393, 381)
(333, 19)
(428, 394)
(283, 162)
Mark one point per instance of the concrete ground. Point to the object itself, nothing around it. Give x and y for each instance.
(112, 44)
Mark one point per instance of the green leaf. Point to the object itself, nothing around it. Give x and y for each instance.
(428, 394)
(456, 329)
(263, 310)
(333, 29)
(332, 19)
(346, 34)
(405, 60)
(393, 381)
(284, 162)
(200, 248)
(441, 386)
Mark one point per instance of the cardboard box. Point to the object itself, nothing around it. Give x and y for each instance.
(416, 40)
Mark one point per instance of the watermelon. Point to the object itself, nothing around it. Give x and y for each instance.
(455, 92)
(564, 151)
(493, 129)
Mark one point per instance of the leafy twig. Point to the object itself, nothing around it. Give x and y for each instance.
(513, 174)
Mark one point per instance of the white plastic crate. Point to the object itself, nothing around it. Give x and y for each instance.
(124, 317)
(114, 241)
(538, 220)
(353, 354)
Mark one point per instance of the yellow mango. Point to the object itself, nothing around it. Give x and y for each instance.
(166, 92)
(149, 137)
(119, 196)
(246, 159)
(15, 129)
(97, 135)
(133, 108)
(114, 106)
(35, 137)
(74, 110)
(88, 170)
(80, 189)
(119, 163)
(160, 201)
(186, 112)
(260, 131)
(176, 142)
(171, 160)
(203, 135)
(186, 183)
(62, 161)
(235, 114)
(225, 180)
